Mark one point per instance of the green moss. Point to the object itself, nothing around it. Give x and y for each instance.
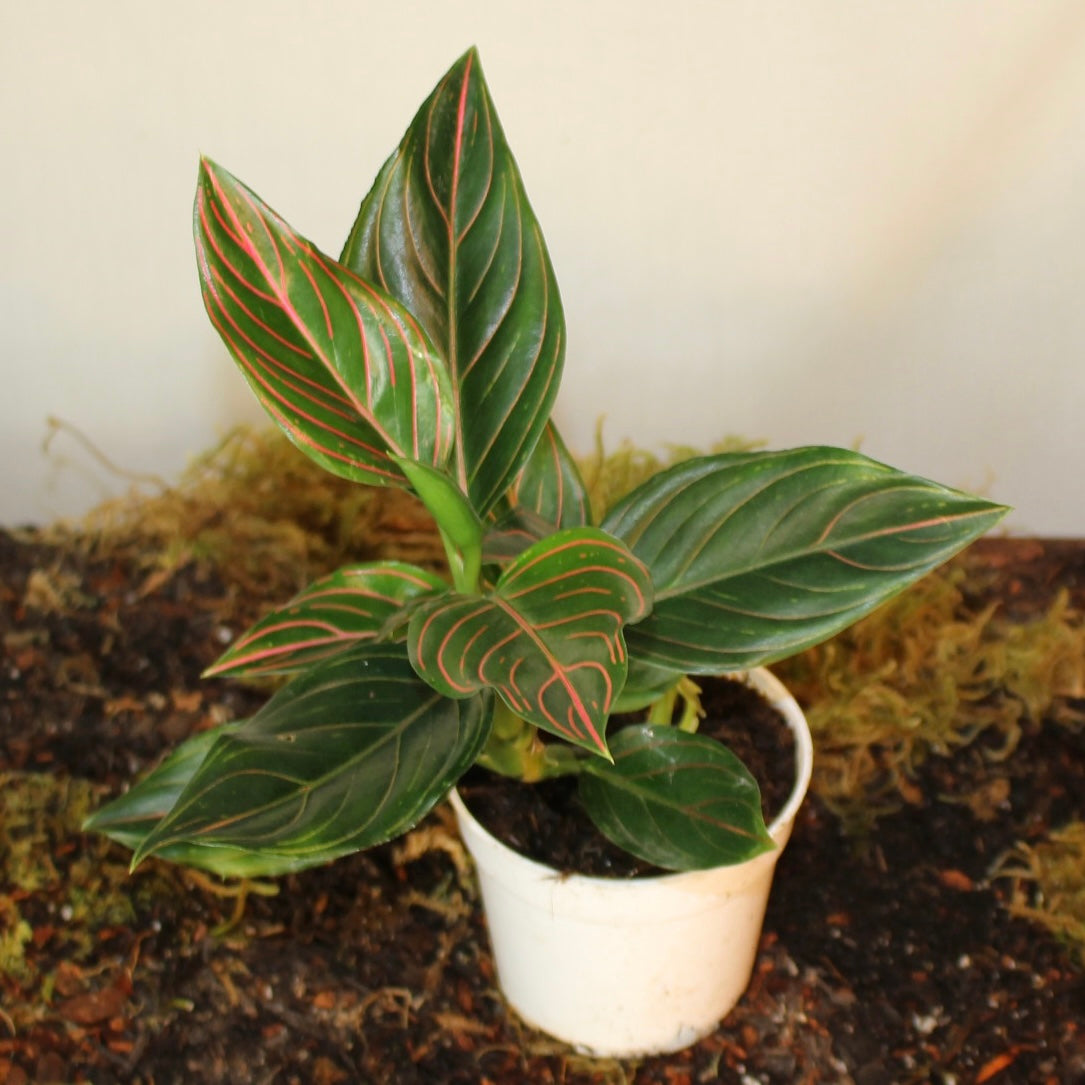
(15, 935)
(82, 881)
(265, 516)
(1049, 884)
(924, 675)
(37, 811)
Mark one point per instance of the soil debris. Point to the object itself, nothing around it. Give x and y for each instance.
(910, 941)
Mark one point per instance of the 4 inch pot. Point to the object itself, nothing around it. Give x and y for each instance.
(636, 966)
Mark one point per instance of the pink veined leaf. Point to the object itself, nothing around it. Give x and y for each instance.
(347, 755)
(549, 493)
(447, 230)
(548, 638)
(758, 555)
(344, 370)
(550, 485)
(350, 605)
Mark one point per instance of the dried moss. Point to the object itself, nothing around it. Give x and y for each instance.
(924, 675)
(1049, 884)
(263, 515)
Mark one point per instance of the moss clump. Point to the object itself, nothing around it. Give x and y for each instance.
(57, 881)
(1049, 884)
(265, 517)
(37, 813)
(924, 674)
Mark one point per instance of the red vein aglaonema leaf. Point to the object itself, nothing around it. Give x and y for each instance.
(350, 753)
(549, 493)
(681, 801)
(756, 556)
(448, 231)
(131, 817)
(344, 369)
(548, 638)
(550, 484)
(346, 607)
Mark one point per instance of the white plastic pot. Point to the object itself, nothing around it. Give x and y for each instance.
(635, 966)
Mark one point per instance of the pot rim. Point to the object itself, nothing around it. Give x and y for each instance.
(777, 694)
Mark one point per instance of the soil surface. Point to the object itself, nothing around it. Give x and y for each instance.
(885, 960)
(547, 822)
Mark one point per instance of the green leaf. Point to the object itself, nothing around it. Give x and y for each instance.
(644, 684)
(130, 817)
(548, 638)
(344, 370)
(344, 608)
(513, 532)
(755, 556)
(548, 494)
(449, 232)
(550, 485)
(681, 801)
(351, 753)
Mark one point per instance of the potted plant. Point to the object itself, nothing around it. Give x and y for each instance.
(428, 357)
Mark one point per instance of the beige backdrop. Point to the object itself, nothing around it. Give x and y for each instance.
(806, 222)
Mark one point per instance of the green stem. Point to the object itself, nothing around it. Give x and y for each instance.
(465, 566)
(515, 749)
(661, 712)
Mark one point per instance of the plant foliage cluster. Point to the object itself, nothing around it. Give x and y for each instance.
(428, 357)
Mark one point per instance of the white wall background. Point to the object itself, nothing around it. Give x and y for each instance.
(813, 221)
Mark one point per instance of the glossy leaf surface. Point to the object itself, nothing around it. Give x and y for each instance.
(681, 801)
(449, 232)
(548, 494)
(755, 556)
(342, 368)
(548, 638)
(344, 608)
(460, 528)
(131, 817)
(550, 485)
(349, 754)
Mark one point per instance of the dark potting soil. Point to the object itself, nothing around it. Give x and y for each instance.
(887, 959)
(547, 822)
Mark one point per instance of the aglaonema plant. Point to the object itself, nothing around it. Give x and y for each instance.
(428, 357)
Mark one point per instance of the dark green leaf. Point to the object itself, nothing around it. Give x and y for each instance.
(755, 556)
(350, 605)
(513, 532)
(129, 818)
(548, 638)
(351, 753)
(548, 494)
(449, 232)
(681, 801)
(550, 485)
(644, 684)
(341, 367)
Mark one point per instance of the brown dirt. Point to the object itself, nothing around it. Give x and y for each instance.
(885, 960)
